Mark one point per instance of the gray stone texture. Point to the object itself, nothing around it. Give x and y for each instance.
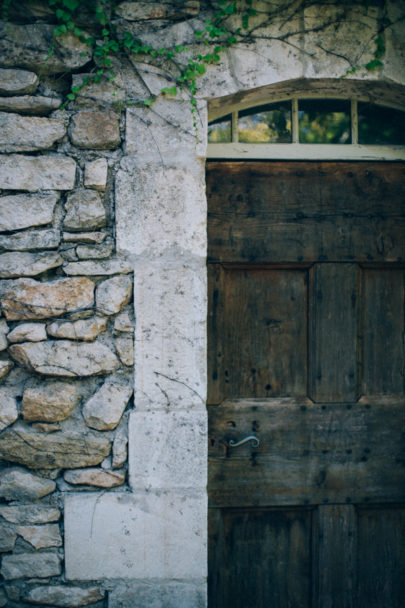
(95, 174)
(84, 237)
(32, 173)
(113, 294)
(124, 346)
(123, 322)
(31, 332)
(98, 252)
(3, 333)
(85, 211)
(95, 130)
(24, 210)
(104, 409)
(63, 596)
(120, 446)
(5, 368)
(30, 514)
(8, 408)
(50, 401)
(104, 267)
(18, 484)
(31, 239)
(17, 82)
(30, 565)
(26, 133)
(8, 537)
(83, 329)
(25, 264)
(28, 104)
(95, 477)
(156, 593)
(41, 537)
(30, 299)
(135, 11)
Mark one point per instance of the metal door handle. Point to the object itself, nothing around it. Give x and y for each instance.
(255, 441)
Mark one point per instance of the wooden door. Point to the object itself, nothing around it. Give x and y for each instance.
(306, 353)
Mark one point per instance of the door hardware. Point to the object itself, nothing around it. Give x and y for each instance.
(255, 441)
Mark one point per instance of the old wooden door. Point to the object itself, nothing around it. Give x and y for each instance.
(306, 353)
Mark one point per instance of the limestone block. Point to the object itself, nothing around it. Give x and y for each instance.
(5, 368)
(26, 133)
(105, 250)
(123, 322)
(84, 237)
(50, 401)
(30, 514)
(83, 329)
(3, 598)
(63, 596)
(159, 594)
(104, 409)
(8, 537)
(30, 565)
(17, 82)
(65, 358)
(27, 104)
(25, 264)
(8, 408)
(161, 209)
(153, 535)
(170, 334)
(3, 333)
(95, 95)
(135, 11)
(95, 174)
(18, 484)
(85, 211)
(32, 239)
(104, 267)
(167, 449)
(32, 332)
(25, 210)
(32, 173)
(96, 130)
(124, 346)
(95, 477)
(41, 537)
(54, 451)
(120, 447)
(30, 299)
(113, 294)
(28, 46)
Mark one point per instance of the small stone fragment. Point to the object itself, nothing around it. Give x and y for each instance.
(30, 299)
(124, 345)
(85, 211)
(98, 252)
(84, 237)
(113, 294)
(27, 104)
(24, 210)
(17, 82)
(123, 323)
(56, 450)
(31, 332)
(95, 477)
(41, 537)
(3, 333)
(85, 329)
(50, 401)
(31, 239)
(24, 264)
(63, 596)
(3, 598)
(96, 130)
(18, 484)
(30, 565)
(105, 267)
(65, 358)
(5, 367)
(95, 174)
(30, 514)
(136, 11)
(7, 537)
(32, 173)
(8, 408)
(46, 427)
(104, 409)
(28, 133)
(120, 447)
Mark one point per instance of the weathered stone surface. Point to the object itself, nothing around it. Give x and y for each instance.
(30, 514)
(25, 264)
(95, 477)
(25, 210)
(8, 408)
(123, 323)
(96, 252)
(84, 237)
(98, 130)
(27, 104)
(124, 345)
(3, 334)
(31, 332)
(26, 133)
(31, 239)
(50, 401)
(41, 537)
(28, 46)
(135, 11)
(62, 596)
(8, 537)
(5, 367)
(65, 358)
(120, 447)
(3, 598)
(30, 565)
(85, 211)
(30, 299)
(104, 409)
(17, 82)
(32, 173)
(105, 267)
(18, 484)
(46, 427)
(95, 174)
(83, 329)
(58, 450)
(159, 594)
(113, 294)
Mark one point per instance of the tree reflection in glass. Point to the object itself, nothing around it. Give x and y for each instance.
(270, 124)
(324, 121)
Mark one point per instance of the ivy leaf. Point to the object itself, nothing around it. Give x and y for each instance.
(372, 65)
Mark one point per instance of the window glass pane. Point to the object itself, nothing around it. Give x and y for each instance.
(379, 125)
(220, 130)
(324, 121)
(270, 124)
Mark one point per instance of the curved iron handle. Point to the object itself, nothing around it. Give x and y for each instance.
(255, 441)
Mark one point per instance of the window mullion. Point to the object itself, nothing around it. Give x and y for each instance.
(235, 127)
(294, 125)
(354, 121)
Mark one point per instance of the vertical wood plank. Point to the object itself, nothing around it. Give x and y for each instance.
(336, 559)
(333, 328)
(215, 327)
